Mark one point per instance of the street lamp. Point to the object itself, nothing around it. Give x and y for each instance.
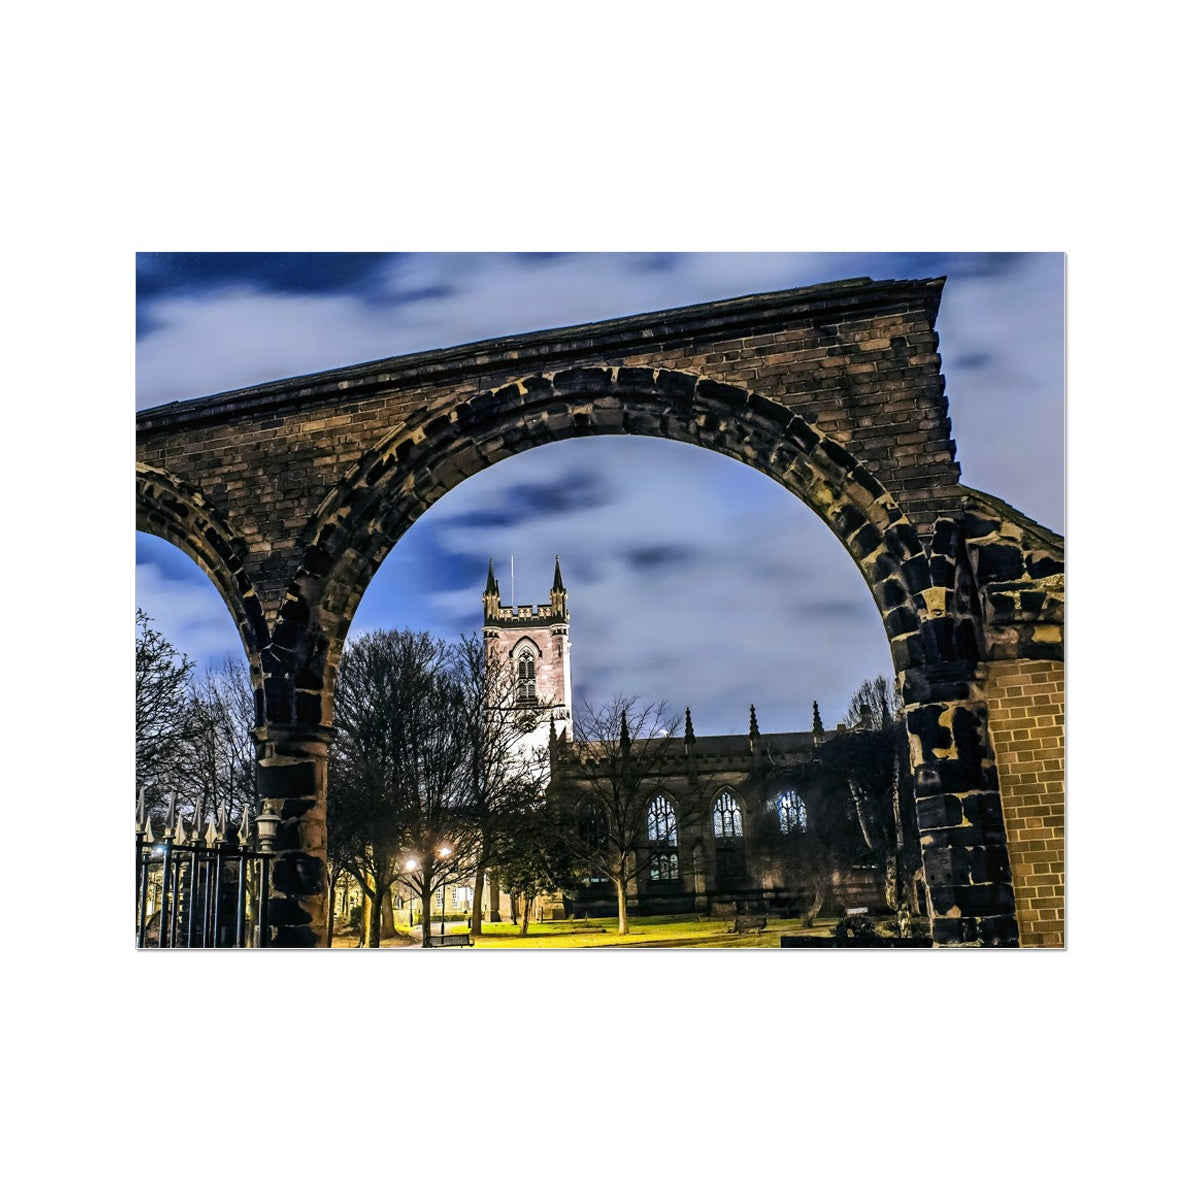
(444, 853)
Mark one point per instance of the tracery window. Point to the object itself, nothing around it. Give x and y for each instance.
(663, 833)
(526, 677)
(727, 816)
(660, 821)
(793, 816)
(664, 868)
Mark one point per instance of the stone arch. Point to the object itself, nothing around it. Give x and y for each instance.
(362, 518)
(190, 521)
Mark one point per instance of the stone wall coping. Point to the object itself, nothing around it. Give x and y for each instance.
(744, 315)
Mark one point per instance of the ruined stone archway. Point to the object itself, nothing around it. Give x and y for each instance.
(855, 425)
(189, 520)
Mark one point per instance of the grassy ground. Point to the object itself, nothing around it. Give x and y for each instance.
(657, 932)
(644, 932)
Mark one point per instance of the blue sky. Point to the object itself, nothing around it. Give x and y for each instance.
(691, 578)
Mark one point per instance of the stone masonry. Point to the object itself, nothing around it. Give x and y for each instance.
(290, 495)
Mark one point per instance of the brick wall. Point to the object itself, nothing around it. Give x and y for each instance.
(1025, 717)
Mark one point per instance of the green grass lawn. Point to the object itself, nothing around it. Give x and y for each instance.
(644, 931)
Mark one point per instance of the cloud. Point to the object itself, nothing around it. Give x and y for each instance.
(690, 577)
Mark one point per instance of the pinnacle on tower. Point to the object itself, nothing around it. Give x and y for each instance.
(493, 588)
(625, 745)
(557, 585)
(753, 723)
(689, 734)
(817, 726)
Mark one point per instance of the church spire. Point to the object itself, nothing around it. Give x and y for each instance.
(753, 729)
(493, 588)
(817, 726)
(558, 594)
(689, 734)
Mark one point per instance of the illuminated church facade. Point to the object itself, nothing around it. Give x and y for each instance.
(719, 811)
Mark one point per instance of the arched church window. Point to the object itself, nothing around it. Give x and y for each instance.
(660, 821)
(727, 816)
(663, 833)
(526, 677)
(793, 816)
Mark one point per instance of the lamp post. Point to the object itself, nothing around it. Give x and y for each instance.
(444, 853)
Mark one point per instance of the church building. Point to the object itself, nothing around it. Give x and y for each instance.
(718, 811)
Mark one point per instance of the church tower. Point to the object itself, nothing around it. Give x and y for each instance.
(534, 639)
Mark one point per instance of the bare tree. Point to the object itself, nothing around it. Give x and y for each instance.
(216, 762)
(602, 786)
(400, 798)
(162, 707)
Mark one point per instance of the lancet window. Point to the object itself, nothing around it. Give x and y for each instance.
(793, 816)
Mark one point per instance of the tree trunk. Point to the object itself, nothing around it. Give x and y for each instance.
(376, 920)
(477, 900)
(387, 922)
(333, 878)
(526, 905)
(622, 906)
(814, 909)
(426, 914)
(514, 904)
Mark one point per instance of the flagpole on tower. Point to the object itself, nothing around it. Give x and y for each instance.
(512, 562)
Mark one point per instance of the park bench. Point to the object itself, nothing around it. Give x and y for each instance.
(449, 939)
(747, 925)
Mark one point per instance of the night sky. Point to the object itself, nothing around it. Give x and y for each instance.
(691, 577)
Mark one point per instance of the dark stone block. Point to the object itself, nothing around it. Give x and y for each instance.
(899, 621)
(923, 725)
(937, 635)
(847, 519)
(979, 525)
(308, 708)
(1000, 562)
(945, 538)
(838, 455)
(636, 379)
(803, 434)
(938, 812)
(277, 694)
(537, 387)
(776, 413)
(317, 561)
(893, 593)
(916, 573)
(966, 641)
(984, 811)
(586, 381)
(292, 779)
(903, 542)
(941, 571)
(509, 396)
(283, 911)
(999, 931)
(864, 541)
(676, 385)
(955, 931)
(300, 875)
(295, 609)
(866, 480)
(1038, 566)
(722, 393)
